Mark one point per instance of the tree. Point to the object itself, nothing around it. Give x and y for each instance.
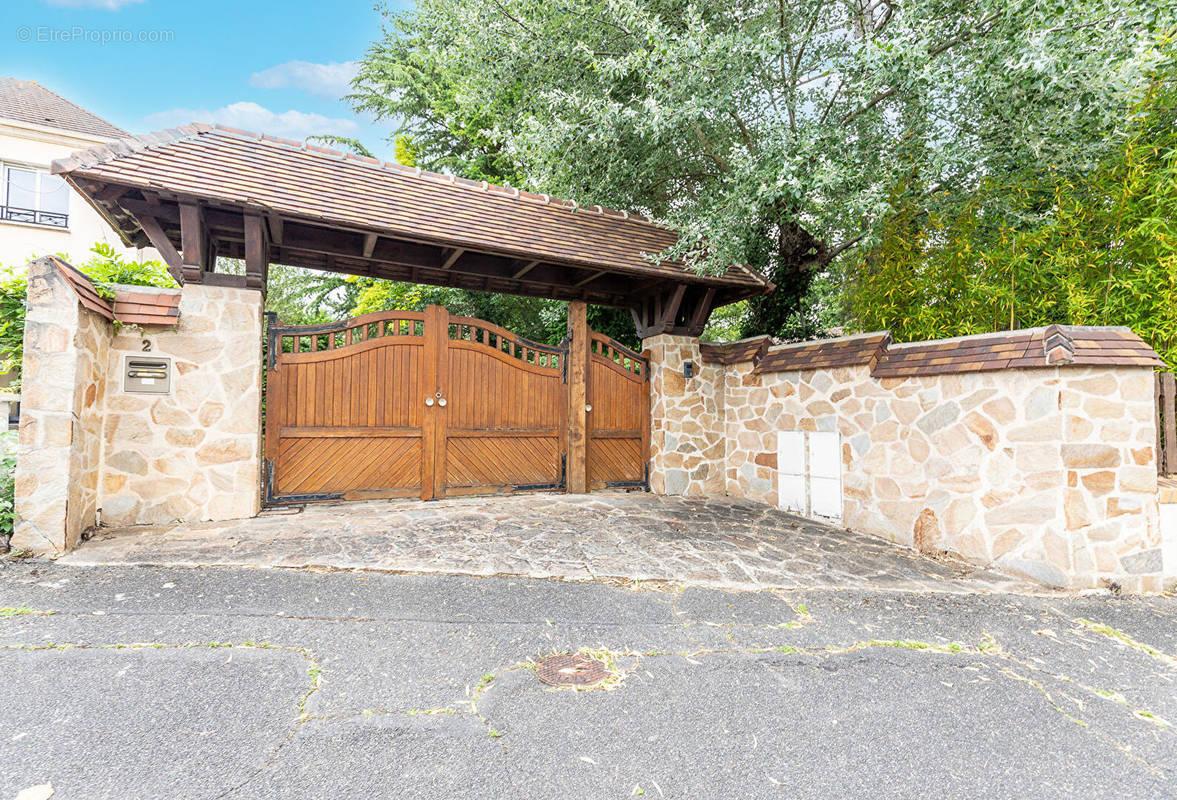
(768, 133)
(1094, 249)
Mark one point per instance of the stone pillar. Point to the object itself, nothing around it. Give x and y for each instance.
(59, 447)
(195, 453)
(686, 425)
(1108, 452)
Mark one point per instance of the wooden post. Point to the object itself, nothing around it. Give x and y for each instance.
(433, 417)
(578, 355)
(193, 242)
(257, 254)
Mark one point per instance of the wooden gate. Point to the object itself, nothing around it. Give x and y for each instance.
(426, 404)
(619, 414)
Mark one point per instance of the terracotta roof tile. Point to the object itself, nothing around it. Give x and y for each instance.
(844, 352)
(1055, 345)
(312, 182)
(140, 305)
(147, 306)
(751, 349)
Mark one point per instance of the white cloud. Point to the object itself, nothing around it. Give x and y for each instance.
(326, 80)
(105, 5)
(258, 119)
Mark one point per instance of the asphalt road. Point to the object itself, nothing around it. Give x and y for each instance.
(226, 682)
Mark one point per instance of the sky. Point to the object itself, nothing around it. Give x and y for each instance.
(260, 65)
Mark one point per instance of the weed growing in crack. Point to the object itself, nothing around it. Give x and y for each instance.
(21, 611)
(906, 644)
(1125, 639)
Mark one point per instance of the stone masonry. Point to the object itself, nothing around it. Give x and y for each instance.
(193, 454)
(88, 451)
(1048, 471)
(59, 449)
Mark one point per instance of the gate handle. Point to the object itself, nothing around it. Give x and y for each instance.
(428, 401)
(441, 402)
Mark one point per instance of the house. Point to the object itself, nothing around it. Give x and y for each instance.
(39, 213)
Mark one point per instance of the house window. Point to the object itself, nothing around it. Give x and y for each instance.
(34, 196)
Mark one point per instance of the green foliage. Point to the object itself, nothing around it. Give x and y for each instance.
(107, 266)
(348, 143)
(404, 151)
(308, 297)
(7, 476)
(1034, 248)
(12, 322)
(532, 318)
(768, 134)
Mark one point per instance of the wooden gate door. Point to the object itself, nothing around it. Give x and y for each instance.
(344, 411)
(504, 421)
(411, 403)
(618, 396)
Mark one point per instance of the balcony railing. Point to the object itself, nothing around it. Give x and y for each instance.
(34, 217)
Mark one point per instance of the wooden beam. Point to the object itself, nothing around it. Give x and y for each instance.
(528, 267)
(160, 241)
(110, 193)
(225, 279)
(452, 257)
(257, 254)
(275, 228)
(193, 242)
(578, 358)
(370, 240)
(698, 319)
(671, 306)
(591, 278)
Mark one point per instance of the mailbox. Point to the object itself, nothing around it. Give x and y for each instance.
(147, 375)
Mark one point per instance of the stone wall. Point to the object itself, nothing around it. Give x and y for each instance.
(89, 451)
(193, 454)
(60, 439)
(686, 440)
(1047, 471)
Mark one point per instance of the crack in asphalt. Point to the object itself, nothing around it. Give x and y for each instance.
(986, 653)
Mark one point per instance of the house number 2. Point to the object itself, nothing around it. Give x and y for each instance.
(146, 345)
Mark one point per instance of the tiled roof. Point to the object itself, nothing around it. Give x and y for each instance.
(750, 349)
(144, 305)
(87, 295)
(28, 101)
(1054, 345)
(134, 305)
(337, 189)
(844, 352)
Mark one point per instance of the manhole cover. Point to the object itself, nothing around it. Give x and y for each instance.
(571, 670)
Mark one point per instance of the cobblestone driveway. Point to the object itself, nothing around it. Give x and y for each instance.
(715, 542)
